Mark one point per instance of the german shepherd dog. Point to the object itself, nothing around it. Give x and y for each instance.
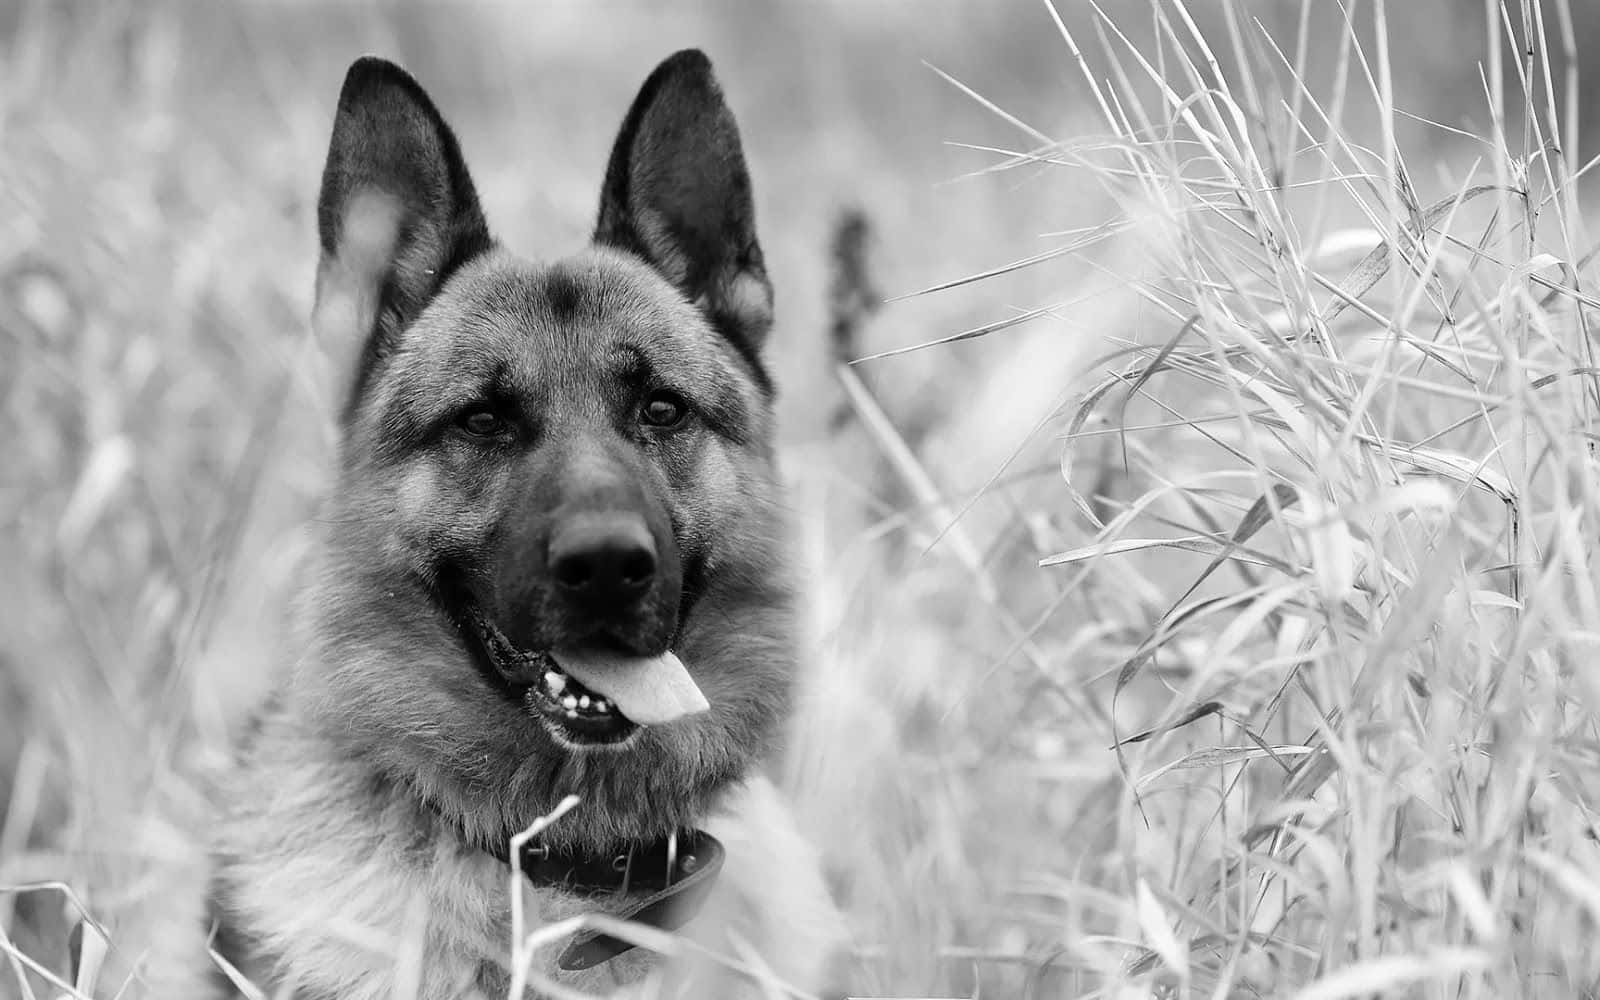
(554, 565)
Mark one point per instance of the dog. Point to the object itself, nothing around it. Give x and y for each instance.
(554, 565)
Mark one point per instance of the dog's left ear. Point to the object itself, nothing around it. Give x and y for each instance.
(677, 194)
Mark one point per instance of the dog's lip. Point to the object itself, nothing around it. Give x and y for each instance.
(519, 667)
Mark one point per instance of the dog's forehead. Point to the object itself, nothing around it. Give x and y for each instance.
(576, 316)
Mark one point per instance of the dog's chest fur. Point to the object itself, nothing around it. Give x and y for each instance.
(366, 893)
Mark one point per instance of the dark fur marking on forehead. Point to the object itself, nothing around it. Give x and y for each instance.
(564, 293)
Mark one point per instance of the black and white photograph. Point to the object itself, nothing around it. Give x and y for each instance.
(799, 499)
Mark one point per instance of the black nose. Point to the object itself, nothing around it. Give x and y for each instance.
(603, 559)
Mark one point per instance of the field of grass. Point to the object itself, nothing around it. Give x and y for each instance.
(1212, 619)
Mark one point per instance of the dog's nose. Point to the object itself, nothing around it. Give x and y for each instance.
(603, 559)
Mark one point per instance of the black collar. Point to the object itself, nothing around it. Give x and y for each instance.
(662, 883)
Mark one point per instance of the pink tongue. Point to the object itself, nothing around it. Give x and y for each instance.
(649, 690)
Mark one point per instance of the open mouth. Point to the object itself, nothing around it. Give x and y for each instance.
(591, 696)
(577, 713)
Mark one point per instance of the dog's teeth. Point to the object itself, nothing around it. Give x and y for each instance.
(555, 682)
(583, 702)
(601, 706)
(569, 702)
(571, 714)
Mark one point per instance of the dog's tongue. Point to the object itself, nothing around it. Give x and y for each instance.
(649, 690)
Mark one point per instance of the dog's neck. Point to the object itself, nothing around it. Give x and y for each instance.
(662, 882)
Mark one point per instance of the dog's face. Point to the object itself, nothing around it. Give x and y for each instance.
(555, 552)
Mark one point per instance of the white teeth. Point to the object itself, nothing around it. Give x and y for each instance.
(602, 706)
(583, 702)
(571, 714)
(569, 703)
(555, 682)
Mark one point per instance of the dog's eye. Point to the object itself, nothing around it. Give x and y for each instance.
(663, 408)
(483, 423)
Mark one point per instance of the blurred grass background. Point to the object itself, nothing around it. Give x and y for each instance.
(165, 423)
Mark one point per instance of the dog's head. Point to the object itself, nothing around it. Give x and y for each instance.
(556, 556)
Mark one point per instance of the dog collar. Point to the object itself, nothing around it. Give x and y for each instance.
(664, 882)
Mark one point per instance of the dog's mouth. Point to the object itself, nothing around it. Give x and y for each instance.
(577, 714)
(589, 696)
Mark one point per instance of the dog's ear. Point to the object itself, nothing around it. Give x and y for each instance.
(677, 194)
(397, 213)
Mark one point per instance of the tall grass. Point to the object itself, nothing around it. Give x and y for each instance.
(1259, 669)
(1343, 564)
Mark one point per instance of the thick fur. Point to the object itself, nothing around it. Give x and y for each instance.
(353, 862)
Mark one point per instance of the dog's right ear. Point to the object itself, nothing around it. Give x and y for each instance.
(397, 214)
